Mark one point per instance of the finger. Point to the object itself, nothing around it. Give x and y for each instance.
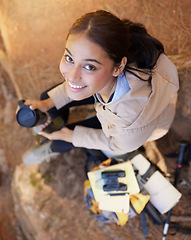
(45, 124)
(31, 103)
(28, 102)
(45, 134)
(17, 109)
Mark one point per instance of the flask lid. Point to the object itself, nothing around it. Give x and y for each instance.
(26, 117)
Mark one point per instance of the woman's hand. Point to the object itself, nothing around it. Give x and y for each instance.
(42, 105)
(65, 134)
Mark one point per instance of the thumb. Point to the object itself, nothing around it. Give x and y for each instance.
(45, 134)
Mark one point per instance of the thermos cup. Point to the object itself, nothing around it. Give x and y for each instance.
(163, 195)
(27, 117)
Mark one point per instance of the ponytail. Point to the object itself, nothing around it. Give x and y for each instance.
(143, 50)
(120, 38)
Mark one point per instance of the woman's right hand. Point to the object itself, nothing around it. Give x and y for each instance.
(42, 105)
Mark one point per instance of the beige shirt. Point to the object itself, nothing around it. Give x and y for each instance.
(143, 114)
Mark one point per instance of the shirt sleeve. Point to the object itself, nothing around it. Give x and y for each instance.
(90, 138)
(59, 95)
(126, 141)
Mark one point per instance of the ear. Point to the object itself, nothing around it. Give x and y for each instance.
(119, 69)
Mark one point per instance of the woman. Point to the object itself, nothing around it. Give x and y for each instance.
(119, 66)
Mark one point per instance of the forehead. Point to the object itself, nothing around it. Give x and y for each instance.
(80, 46)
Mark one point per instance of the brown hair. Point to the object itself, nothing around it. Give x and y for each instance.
(120, 38)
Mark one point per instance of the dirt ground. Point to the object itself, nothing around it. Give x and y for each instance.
(15, 140)
(34, 64)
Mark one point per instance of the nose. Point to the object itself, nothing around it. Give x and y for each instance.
(74, 74)
(70, 72)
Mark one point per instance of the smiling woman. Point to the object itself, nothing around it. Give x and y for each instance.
(87, 69)
(118, 66)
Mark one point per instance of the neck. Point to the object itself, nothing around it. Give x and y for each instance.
(107, 94)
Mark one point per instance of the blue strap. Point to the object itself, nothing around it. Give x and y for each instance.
(144, 224)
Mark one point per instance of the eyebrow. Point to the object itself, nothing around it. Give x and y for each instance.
(87, 59)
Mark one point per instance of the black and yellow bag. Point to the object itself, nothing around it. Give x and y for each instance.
(137, 202)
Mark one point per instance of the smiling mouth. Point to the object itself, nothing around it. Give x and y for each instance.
(76, 86)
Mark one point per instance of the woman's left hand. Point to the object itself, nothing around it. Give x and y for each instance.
(65, 134)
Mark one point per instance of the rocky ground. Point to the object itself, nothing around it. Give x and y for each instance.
(64, 215)
(47, 202)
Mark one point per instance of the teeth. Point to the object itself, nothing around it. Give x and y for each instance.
(75, 86)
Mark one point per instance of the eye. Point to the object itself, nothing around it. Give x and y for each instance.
(68, 59)
(90, 67)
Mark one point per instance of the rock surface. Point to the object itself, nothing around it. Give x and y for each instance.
(49, 204)
(49, 201)
(46, 202)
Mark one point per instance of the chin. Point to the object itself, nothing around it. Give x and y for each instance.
(77, 96)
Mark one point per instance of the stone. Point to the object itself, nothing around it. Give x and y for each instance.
(31, 45)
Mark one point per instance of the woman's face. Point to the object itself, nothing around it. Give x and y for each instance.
(87, 69)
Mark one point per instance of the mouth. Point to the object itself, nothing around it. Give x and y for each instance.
(76, 86)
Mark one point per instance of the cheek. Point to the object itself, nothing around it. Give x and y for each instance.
(61, 67)
(64, 69)
(103, 78)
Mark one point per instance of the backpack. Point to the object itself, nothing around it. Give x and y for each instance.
(94, 161)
